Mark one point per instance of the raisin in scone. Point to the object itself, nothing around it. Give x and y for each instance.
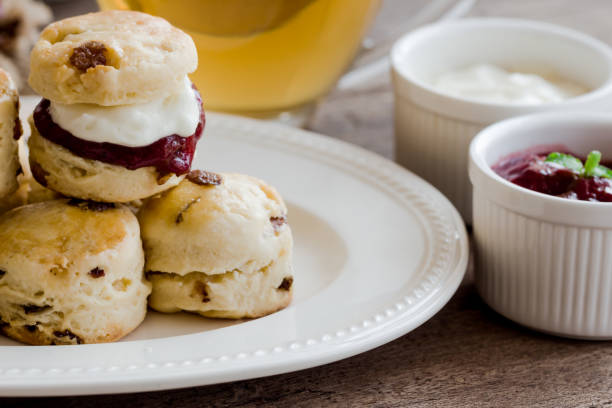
(120, 119)
(218, 245)
(71, 272)
(10, 131)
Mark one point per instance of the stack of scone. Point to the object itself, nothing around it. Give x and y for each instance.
(120, 119)
(118, 123)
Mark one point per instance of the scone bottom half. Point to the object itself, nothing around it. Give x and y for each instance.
(107, 172)
(71, 272)
(218, 245)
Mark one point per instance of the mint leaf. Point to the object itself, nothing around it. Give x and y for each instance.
(591, 163)
(566, 160)
(602, 171)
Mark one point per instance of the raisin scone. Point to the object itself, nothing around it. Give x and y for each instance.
(10, 131)
(218, 245)
(110, 58)
(120, 119)
(71, 272)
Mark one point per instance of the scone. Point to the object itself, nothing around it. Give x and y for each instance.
(120, 119)
(71, 272)
(110, 58)
(218, 245)
(10, 131)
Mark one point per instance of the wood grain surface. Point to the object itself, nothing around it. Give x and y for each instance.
(467, 355)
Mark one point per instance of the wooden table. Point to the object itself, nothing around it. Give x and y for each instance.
(466, 355)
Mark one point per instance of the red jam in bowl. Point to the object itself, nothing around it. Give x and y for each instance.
(171, 154)
(533, 169)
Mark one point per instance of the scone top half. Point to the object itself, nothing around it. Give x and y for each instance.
(120, 119)
(214, 223)
(110, 58)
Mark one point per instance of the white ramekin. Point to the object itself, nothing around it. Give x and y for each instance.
(543, 261)
(433, 130)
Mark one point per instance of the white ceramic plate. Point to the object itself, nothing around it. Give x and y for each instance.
(378, 251)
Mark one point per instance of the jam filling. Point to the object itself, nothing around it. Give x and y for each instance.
(529, 169)
(171, 154)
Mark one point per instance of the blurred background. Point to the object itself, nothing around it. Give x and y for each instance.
(351, 98)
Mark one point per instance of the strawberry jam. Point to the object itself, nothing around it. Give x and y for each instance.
(170, 154)
(530, 169)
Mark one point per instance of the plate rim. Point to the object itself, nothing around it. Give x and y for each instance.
(286, 357)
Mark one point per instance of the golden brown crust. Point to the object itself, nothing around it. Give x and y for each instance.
(138, 58)
(71, 272)
(58, 223)
(38, 335)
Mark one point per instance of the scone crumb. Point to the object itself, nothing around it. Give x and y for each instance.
(204, 178)
(97, 272)
(88, 55)
(286, 283)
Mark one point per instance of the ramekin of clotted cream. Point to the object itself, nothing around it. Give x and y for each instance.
(492, 84)
(452, 79)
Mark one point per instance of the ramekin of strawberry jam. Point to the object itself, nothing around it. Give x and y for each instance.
(558, 173)
(542, 221)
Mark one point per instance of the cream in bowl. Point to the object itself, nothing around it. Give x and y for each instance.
(452, 79)
(543, 238)
(492, 84)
